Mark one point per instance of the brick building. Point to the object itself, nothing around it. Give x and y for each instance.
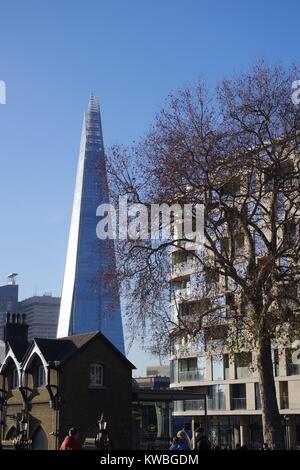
(49, 385)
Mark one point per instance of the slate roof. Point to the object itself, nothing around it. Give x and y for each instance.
(61, 349)
(19, 349)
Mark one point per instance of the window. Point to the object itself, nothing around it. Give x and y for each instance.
(96, 375)
(217, 368)
(174, 371)
(220, 367)
(14, 378)
(238, 396)
(192, 369)
(284, 395)
(215, 337)
(257, 396)
(293, 368)
(194, 308)
(226, 366)
(243, 363)
(216, 397)
(275, 361)
(212, 275)
(40, 376)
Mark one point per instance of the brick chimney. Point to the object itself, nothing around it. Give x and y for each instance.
(16, 329)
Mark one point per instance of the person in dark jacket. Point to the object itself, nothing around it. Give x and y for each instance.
(201, 441)
(71, 441)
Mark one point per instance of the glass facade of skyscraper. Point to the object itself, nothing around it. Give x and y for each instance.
(89, 301)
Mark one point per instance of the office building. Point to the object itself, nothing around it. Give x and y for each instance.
(8, 300)
(42, 315)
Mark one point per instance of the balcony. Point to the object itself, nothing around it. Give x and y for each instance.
(213, 404)
(188, 266)
(189, 405)
(239, 403)
(293, 369)
(183, 293)
(191, 375)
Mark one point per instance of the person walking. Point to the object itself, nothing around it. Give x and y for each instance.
(201, 440)
(71, 441)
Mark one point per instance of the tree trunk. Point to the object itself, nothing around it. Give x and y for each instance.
(271, 419)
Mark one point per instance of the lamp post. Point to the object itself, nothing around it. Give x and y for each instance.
(3, 409)
(103, 440)
(287, 432)
(54, 392)
(22, 442)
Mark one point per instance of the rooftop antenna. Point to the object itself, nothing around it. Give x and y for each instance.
(11, 279)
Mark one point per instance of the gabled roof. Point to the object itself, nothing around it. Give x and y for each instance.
(61, 349)
(19, 349)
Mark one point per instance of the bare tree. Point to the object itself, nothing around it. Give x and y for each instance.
(236, 152)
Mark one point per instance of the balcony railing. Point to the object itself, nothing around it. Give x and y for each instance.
(239, 403)
(179, 268)
(191, 375)
(182, 293)
(293, 369)
(217, 403)
(242, 372)
(213, 404)
(189, 405)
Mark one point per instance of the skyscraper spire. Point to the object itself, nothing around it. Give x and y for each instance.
(93, 105)
(87, 304)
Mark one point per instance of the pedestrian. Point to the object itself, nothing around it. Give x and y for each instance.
(174, 443)
(71, 441)
(184, 442)
(201, 440)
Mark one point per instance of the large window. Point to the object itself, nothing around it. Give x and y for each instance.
(216, 397)
(238, 396)
(96, 375)
(215, 337)
(293, 368)
(220, 367)
(192, 369)
(243, 363)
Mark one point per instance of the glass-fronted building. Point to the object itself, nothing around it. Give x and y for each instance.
(89, 301)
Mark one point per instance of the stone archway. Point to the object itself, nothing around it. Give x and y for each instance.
(40, 440)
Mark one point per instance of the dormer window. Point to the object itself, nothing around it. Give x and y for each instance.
(40, 376)
(96, 375)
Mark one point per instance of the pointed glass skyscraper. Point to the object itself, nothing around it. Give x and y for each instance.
(89, 303)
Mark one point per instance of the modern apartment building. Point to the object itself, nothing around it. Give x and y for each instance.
(229, 378)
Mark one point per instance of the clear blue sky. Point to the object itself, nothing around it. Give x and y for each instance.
(130, 53)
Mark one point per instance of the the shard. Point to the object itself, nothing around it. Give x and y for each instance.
(89, 300)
